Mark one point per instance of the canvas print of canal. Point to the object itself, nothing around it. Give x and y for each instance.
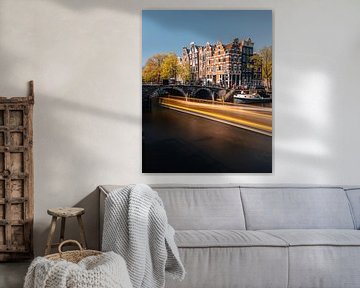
(207, 91)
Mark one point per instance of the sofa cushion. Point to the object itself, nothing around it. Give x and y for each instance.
(223, 267)
(322, 258)
(324, 266)
(296, 208)
(354, 198)
(226, 238)
(314, 237)
(191, 208)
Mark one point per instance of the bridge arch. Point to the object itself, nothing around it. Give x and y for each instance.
(175, 91)
(151, 95)
(204, 93)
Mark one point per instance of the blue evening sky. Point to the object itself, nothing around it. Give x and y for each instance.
(169, 30)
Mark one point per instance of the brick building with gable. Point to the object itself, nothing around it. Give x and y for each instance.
(226, 65)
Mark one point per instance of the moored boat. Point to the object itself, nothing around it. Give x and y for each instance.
(251, 98)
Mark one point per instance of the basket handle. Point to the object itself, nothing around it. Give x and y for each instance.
(69, 241)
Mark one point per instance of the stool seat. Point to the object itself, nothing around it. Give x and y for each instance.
(66, 211)
(63, 213)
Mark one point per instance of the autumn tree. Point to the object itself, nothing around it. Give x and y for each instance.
(169, 67)
(184, 71)
(266, 55)
(255, 62)
(152, 69)
(263, 60)
(165, 66)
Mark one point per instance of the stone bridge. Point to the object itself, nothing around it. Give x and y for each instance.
(187, 91)
(193, 91)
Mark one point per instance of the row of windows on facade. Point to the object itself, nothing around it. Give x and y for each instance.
(213, 51)
(244, 58)
(220, 68)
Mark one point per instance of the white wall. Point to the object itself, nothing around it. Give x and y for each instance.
(85, 59)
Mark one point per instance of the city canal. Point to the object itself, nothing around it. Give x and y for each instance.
(177, 142)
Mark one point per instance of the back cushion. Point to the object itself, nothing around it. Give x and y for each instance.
(296, 208)
(354, 198)
(192, 208)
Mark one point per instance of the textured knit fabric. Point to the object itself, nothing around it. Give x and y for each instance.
(103, 271)
(136, 227)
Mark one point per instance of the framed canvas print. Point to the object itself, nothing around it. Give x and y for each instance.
(207, 91)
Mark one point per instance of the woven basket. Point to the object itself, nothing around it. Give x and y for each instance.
(72, 256)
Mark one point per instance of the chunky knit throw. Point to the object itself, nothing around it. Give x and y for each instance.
(136, 227)
(102, 271)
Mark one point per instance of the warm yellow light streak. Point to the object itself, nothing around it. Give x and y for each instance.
(250, 111)
(223, 117)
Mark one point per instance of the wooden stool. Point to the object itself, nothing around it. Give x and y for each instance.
(64, 213)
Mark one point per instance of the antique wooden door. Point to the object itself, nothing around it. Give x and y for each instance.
(16, 177)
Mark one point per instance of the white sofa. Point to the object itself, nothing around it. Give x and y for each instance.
(264, 236)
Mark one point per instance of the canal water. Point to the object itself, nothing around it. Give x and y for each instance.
(177, 142)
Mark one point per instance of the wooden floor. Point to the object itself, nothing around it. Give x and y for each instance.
(12, 274)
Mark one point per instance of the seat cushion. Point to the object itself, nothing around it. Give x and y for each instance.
(324, 266)
(322, 258)
(225, 238)
(317, 237)
(233, 258)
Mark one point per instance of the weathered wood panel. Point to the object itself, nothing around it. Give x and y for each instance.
(16, 177)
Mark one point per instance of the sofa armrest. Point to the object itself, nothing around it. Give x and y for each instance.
(103, 195)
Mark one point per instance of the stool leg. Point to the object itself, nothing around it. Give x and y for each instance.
(51, 235)
(62, 231)
(82, 232)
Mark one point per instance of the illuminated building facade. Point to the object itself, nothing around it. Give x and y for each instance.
(227, 65)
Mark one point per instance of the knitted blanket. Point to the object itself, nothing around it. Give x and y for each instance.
(103, 271)
(136, 227)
